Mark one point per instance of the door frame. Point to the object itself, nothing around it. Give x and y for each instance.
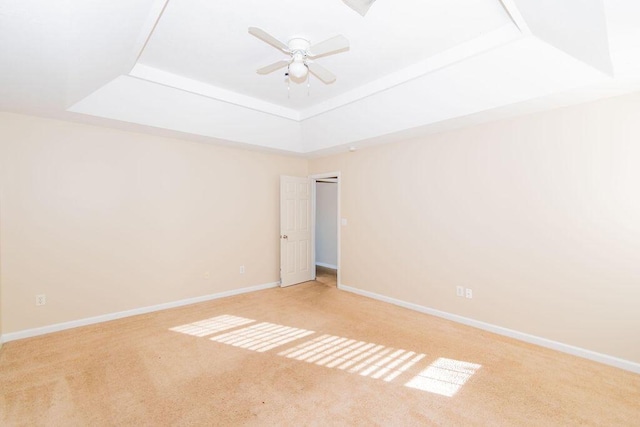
(314, 179)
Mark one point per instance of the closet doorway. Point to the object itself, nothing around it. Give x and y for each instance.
(326, 230)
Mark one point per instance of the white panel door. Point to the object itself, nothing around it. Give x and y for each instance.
(296, 258)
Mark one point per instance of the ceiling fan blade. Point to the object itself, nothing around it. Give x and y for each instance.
(268, 38)
(329, 47)
(273, 67)
(322, 73)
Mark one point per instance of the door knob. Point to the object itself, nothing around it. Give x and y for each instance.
(284, 237)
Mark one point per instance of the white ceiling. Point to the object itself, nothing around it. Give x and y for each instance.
(187, 67)
(215, 47)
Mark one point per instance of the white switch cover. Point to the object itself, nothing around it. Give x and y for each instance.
(468, 293)
(343, 221)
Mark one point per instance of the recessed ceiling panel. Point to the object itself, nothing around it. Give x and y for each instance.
(209, 41)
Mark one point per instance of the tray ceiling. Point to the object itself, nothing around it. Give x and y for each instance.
(208, 41)
(187, 68)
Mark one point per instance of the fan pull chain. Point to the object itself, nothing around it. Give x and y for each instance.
(288, 87)
(308, 84)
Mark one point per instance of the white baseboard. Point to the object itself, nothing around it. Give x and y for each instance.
(324, 264)
(28, 333)
(532, 339)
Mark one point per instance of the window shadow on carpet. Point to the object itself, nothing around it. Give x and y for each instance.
(442, 376)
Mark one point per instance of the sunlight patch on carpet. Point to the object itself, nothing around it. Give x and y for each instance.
(262, 336)
(366, 359)
(202, 328)
(444, 376)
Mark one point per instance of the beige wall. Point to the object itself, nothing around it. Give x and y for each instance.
(539, 215)
(0, 260)
(102, 220)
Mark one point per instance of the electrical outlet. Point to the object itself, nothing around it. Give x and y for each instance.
(242, 269)
(468, 293)
(459, 291)
(206, 275)
(41, 299)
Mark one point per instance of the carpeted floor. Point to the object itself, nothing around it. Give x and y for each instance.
(304, 355)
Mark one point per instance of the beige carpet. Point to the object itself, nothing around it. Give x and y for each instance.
(304, 355)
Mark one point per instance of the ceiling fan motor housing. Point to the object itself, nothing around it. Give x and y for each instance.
(299, 44)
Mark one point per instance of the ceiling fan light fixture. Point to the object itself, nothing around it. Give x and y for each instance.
(298, 69)
(360, 6)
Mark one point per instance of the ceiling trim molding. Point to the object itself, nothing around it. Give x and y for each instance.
(186, 84)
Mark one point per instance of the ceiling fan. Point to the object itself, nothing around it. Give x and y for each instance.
(302, 55)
